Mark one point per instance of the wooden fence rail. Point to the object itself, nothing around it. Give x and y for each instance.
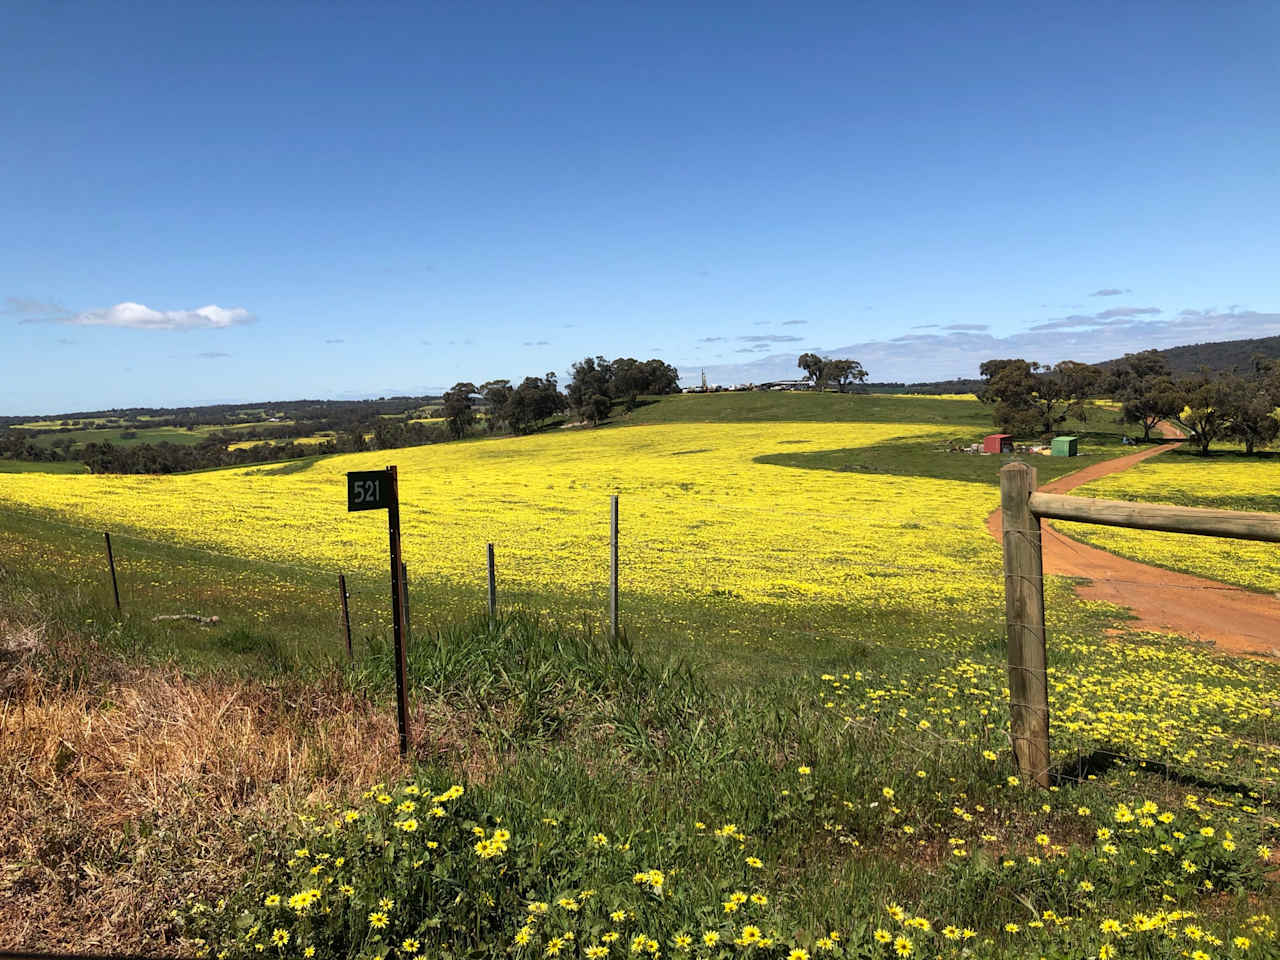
(1237, 524)
(1022, 510)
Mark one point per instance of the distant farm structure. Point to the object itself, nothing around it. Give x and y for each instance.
(704, 387)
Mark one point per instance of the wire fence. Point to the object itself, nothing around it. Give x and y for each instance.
(668, 562)
(256, 598)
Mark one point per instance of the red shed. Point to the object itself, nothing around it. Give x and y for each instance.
(998, 443)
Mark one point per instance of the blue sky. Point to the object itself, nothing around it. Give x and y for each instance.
(387, 198)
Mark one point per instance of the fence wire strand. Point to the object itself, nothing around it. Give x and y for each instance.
(361, 583)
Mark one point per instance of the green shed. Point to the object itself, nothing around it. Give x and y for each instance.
(1065, 447)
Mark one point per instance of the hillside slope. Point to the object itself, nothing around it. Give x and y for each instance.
(1220, 356)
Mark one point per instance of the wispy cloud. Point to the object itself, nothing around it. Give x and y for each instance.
(769, 338)
(137, 316)
(1109, 292)
(967, 326)
(1072, 322)
(794, 323)
(212, 355)
(1115, 317)
(940, 354)
(1127, 312)
(336, 340)
(33, 310)
(713, 339)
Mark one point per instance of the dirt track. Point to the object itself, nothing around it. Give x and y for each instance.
(1233, 619)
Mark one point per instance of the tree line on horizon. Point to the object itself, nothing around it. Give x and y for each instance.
(1032, 398)
(595, 387)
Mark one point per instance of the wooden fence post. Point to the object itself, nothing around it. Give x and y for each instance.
(111, 562)
(613, 567)
(1024, 623)
(346, 612)
(493, 587)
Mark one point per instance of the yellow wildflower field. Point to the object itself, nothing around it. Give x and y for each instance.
(1230, 483)
(699, 517)
(313, 440)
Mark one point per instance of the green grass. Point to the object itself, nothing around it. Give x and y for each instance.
(30, 466)
(115, 436)
(298, 608)
(828, 407)
(142, 433)
(967, 417)
(58, 424)
(913, 458)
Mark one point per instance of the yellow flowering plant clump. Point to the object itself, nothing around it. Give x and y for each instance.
(373, 879)
(1132, 836)
(467, 884)
(473, 884)
(1229, 483)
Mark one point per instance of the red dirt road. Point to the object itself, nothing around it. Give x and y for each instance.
(1233, 619)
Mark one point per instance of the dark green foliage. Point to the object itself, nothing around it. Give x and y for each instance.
(458, 409)
(1251, 404)
(1147, 393)
(1204, 416)
(838, 373)
(597, 382)
(1035, 399)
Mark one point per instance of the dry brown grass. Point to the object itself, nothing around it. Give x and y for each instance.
(125, 790)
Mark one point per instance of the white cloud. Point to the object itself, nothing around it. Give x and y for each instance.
(140, 317)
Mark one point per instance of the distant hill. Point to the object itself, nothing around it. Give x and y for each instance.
(1220, 357)
(227, 413)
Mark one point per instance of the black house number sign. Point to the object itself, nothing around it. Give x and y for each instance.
(368, 490)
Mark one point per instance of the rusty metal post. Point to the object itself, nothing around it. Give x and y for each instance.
(346, 613)
(111, 563)
(613, 567)
(493, 586)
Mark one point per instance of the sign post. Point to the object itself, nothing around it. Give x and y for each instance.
(380, 490)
